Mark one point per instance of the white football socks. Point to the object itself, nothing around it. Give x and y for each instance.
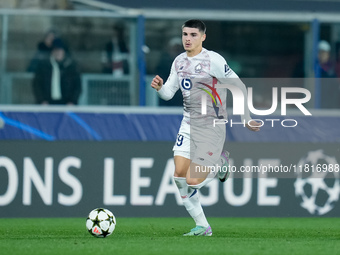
(191, 201)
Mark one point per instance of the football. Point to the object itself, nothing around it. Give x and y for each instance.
(100, 222)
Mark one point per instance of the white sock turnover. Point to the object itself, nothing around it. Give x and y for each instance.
(191, 201)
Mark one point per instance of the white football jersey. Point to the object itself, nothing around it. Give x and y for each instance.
(196, 77)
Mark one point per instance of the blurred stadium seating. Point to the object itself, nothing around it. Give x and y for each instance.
(258, 40)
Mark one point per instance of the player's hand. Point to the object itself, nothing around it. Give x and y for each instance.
(157, 83)
(253, 125)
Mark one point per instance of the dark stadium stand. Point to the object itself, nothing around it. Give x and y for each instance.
(244, 5)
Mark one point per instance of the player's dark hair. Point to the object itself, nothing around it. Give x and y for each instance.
(195, 23)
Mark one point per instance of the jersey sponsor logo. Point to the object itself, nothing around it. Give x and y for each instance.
(186, 84)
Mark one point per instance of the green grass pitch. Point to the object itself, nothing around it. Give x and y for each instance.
(140, 236)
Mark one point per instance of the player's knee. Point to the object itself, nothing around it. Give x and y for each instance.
(193, 182)
(179, 173)
(176, 174)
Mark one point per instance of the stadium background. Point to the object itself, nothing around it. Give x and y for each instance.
(114, 149)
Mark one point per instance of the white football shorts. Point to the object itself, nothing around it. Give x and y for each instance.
(203, 146)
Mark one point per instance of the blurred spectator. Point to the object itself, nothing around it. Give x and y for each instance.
(330, 90)
(57, 79)
(115, 57)
(174, 48)
(43, 51)
(326, 66)
(325, 69)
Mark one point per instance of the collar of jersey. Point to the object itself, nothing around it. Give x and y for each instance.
(203, 49)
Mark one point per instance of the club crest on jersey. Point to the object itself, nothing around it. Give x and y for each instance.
(198, 68)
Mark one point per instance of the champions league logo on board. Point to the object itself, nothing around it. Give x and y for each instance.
(320, 190)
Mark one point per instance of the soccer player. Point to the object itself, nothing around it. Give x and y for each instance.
(199, 144)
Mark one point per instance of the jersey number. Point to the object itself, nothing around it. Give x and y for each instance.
(179, 140)
(186, 84)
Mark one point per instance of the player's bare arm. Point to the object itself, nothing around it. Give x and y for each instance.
(157, 82)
